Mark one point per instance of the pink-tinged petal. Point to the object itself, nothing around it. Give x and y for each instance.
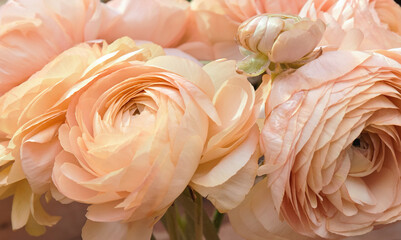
(70, 187)
(256, 217)
(292, 45)
(329, 66)
(187, 153)
(37, 157)
(231, 192)
(226, 49)
(219, 77)
(147, 20)
(352, 40)
(200, 50)
(215, 173)
(179, 53)
(375, 19)
(107, 212)
(379, 185)
(188, 69)
(359, 191)
(35, 33)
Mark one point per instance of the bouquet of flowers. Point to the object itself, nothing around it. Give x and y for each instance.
(284, 115)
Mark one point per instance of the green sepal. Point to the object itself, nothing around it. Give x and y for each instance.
(253, 65)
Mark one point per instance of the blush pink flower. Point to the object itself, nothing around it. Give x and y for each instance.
(357, 24)
(211, 34)
(34, 32)
(160, 21)
(331, 142)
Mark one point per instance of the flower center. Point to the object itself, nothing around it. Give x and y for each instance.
(361, 154)
(360, 143)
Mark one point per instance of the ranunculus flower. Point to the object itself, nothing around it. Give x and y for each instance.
(331, 142)
(229, 162)
(31, 114)
(34, 32)
(272, 42)
(357, 24)
(137, 136)
(160, 21)
(125, 132)
(132, 141)
(215, 22)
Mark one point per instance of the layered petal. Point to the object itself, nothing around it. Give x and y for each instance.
(148, 20)
(331, 146)
(228, 166)
(348, 21)
(32, 113)
(33, 33)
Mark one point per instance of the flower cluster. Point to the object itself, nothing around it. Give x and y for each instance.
(127, 106)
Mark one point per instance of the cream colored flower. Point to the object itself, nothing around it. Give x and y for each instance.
(283, 39)
(274, 41)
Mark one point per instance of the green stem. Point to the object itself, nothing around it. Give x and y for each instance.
(170, 222)
(217, 220)
(198, 217)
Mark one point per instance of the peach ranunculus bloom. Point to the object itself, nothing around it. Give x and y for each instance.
(214, 23)
(357, 24)
(35, 32)
(32, 33)
(331, 142)
(31, 114)
(134, 138)
(126, 133)
(132, 141)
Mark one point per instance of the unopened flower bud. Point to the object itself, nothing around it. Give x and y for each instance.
(278, 39)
